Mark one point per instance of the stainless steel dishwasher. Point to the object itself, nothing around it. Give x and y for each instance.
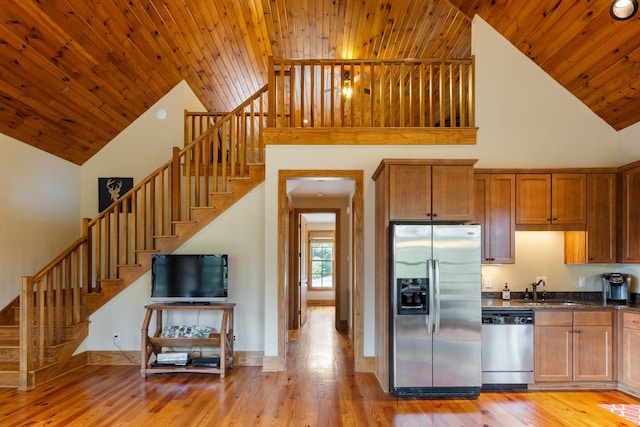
(507, 348)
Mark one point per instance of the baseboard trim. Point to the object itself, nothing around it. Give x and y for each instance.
(591, 385)
(107, 357)
(321, 302)
(367, 364)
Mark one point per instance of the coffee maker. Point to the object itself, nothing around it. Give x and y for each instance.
(615, 288)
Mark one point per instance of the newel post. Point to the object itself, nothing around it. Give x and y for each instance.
(26, 333)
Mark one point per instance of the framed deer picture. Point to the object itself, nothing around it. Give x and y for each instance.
(111, 190)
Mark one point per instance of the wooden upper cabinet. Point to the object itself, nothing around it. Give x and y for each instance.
(629, 250)
(601, 218)
(452, 193)
(569, 198)
(533, 199)
(410, 191)
(599, 243)
(431, 192)
(555, 200)
(495, 204)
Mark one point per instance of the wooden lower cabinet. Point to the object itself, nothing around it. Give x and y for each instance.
(573, 346)
(630, 350)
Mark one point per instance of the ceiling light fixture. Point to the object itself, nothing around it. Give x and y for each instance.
(161, 113)
(621, 10)
(347, 90)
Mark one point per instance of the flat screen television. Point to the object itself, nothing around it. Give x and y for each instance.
(183, 278)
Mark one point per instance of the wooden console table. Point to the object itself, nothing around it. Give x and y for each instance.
(223, 339)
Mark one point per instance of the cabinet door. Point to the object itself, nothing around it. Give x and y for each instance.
(410, 192)
(592, 350)
(481, 213)
(495, 211)
(569, 198)
(452, 193)
(533, 199)
(630, 349)
(630, 244)
(553, 353)
(601, 218)
(593, 345)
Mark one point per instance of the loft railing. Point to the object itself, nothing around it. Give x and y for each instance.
(51, 299)
(371, 93)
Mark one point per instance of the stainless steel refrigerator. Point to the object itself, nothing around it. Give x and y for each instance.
(436, 310)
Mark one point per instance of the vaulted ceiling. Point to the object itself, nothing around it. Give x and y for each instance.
(73, 74)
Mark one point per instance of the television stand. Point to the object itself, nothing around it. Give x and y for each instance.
(152, 345)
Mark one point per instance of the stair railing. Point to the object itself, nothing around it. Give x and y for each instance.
(52, 299)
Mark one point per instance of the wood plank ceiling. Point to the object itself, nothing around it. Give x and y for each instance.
(73, 74)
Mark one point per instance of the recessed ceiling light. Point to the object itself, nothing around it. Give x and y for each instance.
(622, 10)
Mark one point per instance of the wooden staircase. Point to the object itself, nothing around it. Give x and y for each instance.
(42, 328)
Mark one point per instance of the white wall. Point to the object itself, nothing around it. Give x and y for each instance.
(141, 148)
(39, 211)
(525, 118)
(629, 144)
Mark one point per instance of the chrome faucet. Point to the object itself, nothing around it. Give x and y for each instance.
(535, 289)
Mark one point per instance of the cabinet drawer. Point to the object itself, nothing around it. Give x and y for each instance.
(631, 320)
(596, 318)
(553, 318)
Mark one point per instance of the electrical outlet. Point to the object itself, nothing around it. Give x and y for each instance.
(488, 282)
(544, 280)
(235, 339)
(581, 282)
(116, 338)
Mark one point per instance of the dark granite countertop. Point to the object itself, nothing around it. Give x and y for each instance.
(556, 304)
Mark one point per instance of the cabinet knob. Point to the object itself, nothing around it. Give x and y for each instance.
(434, 215)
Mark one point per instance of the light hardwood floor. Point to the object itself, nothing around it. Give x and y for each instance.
(318, 389)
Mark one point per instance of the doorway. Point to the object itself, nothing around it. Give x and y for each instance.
(356, 255)
(318, 273)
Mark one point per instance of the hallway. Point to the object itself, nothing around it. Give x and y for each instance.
(319, 389)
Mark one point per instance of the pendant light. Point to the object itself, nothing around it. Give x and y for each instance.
(621, 10)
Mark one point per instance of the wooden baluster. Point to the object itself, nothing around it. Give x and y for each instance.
(452, 100)
(432, 108)
(271, 119)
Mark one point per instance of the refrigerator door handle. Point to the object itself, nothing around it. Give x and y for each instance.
(431, 314)
(436, 268)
